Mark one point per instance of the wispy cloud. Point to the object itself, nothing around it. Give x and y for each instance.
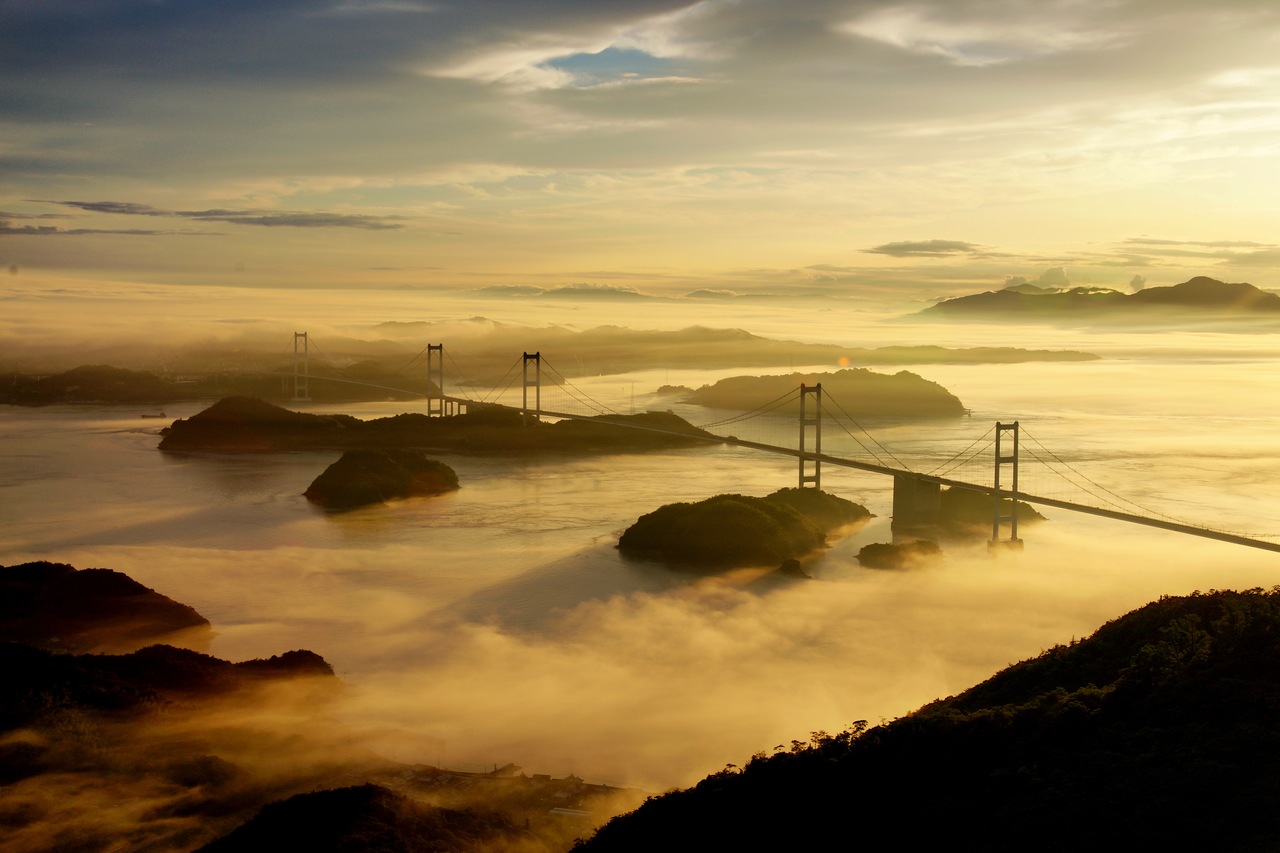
(965, 34)
(9, 230)
(287, 219)
(925, 248)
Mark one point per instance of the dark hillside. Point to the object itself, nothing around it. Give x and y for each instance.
(1161, 731)
(55, 606)
(365, 819)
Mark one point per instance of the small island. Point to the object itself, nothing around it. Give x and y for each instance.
(363, 477)
(898, 555)
(736, 531)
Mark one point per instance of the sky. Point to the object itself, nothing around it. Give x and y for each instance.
(845, 147)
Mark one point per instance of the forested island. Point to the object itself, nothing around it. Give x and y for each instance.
(1158, 732)
(246, 425)
(733, 531)
(363, 477)
(859, 392)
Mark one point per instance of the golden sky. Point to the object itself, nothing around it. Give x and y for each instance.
(761, 147)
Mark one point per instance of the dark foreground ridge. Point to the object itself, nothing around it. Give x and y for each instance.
(166, 748)
(733, 531)
(245, 424)
(56, 607)
(1159, 732)
(363, 477)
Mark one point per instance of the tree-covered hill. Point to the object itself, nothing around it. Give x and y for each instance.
(1159, 732)
(733, 531)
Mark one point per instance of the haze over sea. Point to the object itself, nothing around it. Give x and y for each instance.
(499, 624)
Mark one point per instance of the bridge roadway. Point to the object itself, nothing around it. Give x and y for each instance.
(1174, 526)
(1037, 500)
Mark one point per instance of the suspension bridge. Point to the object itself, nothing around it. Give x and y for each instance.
(996, 457)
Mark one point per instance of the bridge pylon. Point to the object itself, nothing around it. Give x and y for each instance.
(811, 463)
(301, 368)
(536, 384)
(1005, 434)
(437, 406)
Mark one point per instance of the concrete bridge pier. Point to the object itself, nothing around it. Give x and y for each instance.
(917, 504)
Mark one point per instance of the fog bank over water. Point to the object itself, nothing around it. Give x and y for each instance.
(500, 624)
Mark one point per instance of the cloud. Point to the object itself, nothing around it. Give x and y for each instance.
(1054, 278)
(7, 230)
(295, 219)
(964, 34)
(708, 134)
(8, 215)
(597, 291)
(1242, 252)
(1260, 258)
(289, 219)
(1215, 244)
(1137, 283)
(925, 248)
(122, 207)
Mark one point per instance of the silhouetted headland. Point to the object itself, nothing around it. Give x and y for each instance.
(363, 477)
(1159, 732)
(243, 424)
(733, 531)
(54, 606)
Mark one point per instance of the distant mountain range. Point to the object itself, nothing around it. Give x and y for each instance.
(1201, 297)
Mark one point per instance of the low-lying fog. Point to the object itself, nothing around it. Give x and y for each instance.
(499, 624)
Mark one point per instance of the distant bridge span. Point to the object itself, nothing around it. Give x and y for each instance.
(915, 495)
(902, 474)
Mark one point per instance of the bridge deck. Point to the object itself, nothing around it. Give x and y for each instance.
(1037, 500)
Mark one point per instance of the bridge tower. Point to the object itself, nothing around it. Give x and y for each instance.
(435, 381)
(811, 424)
(301, 368)
(1005, 434)
(536, 384)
